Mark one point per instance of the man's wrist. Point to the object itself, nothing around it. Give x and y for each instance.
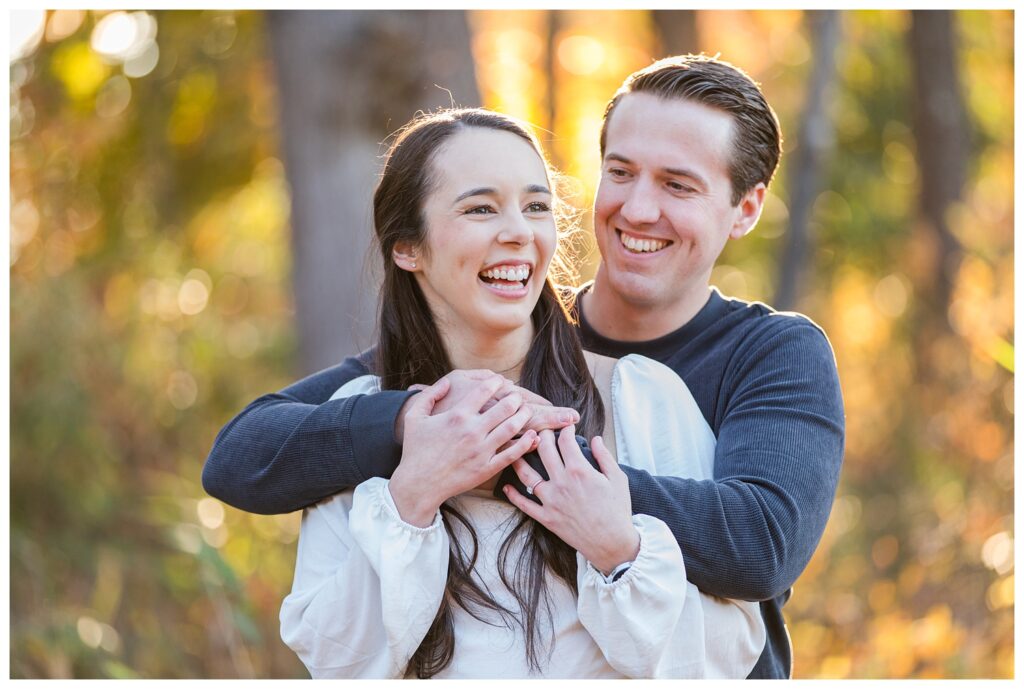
(400, 419)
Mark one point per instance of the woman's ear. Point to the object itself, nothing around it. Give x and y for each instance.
(404, 257)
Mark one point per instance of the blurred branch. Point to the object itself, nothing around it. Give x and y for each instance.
(813, 142)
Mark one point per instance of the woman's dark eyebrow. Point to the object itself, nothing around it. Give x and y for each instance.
(479, 191)
(491, 191)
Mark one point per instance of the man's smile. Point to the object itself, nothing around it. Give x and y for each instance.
(635, 244)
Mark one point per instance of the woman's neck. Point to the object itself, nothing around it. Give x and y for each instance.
(503, 353)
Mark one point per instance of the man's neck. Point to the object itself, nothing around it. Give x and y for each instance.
(616, 318)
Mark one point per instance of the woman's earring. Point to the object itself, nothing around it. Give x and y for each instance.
(413, 264)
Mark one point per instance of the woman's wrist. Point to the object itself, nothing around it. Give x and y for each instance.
(413, 506)
(616, 552)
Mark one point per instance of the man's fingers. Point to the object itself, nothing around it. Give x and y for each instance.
(507, 429)
(423, 403)
(533, 398)
(513, 450)
(550, 418)
(484, 390)
(502, 410)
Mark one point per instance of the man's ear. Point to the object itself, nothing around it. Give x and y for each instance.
(748, 211)
(405, 257)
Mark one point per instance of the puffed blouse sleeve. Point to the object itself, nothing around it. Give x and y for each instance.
(653, 623)
(367, 585)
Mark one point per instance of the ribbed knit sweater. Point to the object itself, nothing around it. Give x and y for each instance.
(765, 381)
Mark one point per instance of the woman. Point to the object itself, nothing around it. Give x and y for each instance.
(426, 574)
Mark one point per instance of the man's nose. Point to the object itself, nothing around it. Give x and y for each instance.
(641, 204)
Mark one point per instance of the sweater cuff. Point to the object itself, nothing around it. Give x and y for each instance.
(372, 430)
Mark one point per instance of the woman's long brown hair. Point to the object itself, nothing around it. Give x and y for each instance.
(410, 350)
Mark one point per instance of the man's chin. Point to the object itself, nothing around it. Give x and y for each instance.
(637, 290)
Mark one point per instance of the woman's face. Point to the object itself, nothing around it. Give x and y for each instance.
(490, 233)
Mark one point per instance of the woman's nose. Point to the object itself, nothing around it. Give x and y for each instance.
(516, 231)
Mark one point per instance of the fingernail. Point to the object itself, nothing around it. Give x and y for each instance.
(567, 418)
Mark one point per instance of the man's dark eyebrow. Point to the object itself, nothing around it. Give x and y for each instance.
(683, 172)
(674, 171)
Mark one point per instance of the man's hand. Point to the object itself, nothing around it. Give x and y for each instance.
(462, 382)
(588, 509)
(449, 452)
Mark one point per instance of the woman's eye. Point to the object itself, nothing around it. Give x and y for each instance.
(538, 207)
(480, 210)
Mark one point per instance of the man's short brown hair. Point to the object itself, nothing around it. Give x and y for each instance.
(757, 138)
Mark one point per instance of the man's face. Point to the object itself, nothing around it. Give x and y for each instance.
(662, 214)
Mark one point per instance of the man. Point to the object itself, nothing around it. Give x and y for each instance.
(688, 147)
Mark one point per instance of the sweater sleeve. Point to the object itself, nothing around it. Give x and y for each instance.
(367, 586)
(289, 449)
(648, 625)
(751, 531)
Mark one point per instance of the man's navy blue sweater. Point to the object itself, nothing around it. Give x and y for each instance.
(765, 381)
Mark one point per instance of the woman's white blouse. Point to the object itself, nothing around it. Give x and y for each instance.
(368, 585)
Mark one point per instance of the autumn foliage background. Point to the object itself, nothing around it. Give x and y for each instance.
(152, 296)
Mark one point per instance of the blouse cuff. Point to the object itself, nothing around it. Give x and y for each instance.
(655, 553)
(382, 506)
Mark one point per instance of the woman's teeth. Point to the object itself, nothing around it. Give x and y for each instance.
(642, 246)
(512, 277)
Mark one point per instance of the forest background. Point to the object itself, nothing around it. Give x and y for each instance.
(189, 198)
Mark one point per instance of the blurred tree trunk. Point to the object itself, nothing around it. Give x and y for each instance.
(814, 141)
(551, 67)
(676, 30)
(943, 144)
(345, 81)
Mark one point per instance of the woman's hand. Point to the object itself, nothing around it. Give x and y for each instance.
(544, 415)
(449, 452)
(588, 509)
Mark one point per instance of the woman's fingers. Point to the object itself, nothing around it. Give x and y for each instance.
(572, 456)
(549, 455)
(526, 473)
(532, 509)
(604, 457)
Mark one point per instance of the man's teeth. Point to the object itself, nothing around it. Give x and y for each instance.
(510, 273)
(642, 246)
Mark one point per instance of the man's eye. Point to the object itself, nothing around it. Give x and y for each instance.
(617, 172)
(538, 207)
(676, 186)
